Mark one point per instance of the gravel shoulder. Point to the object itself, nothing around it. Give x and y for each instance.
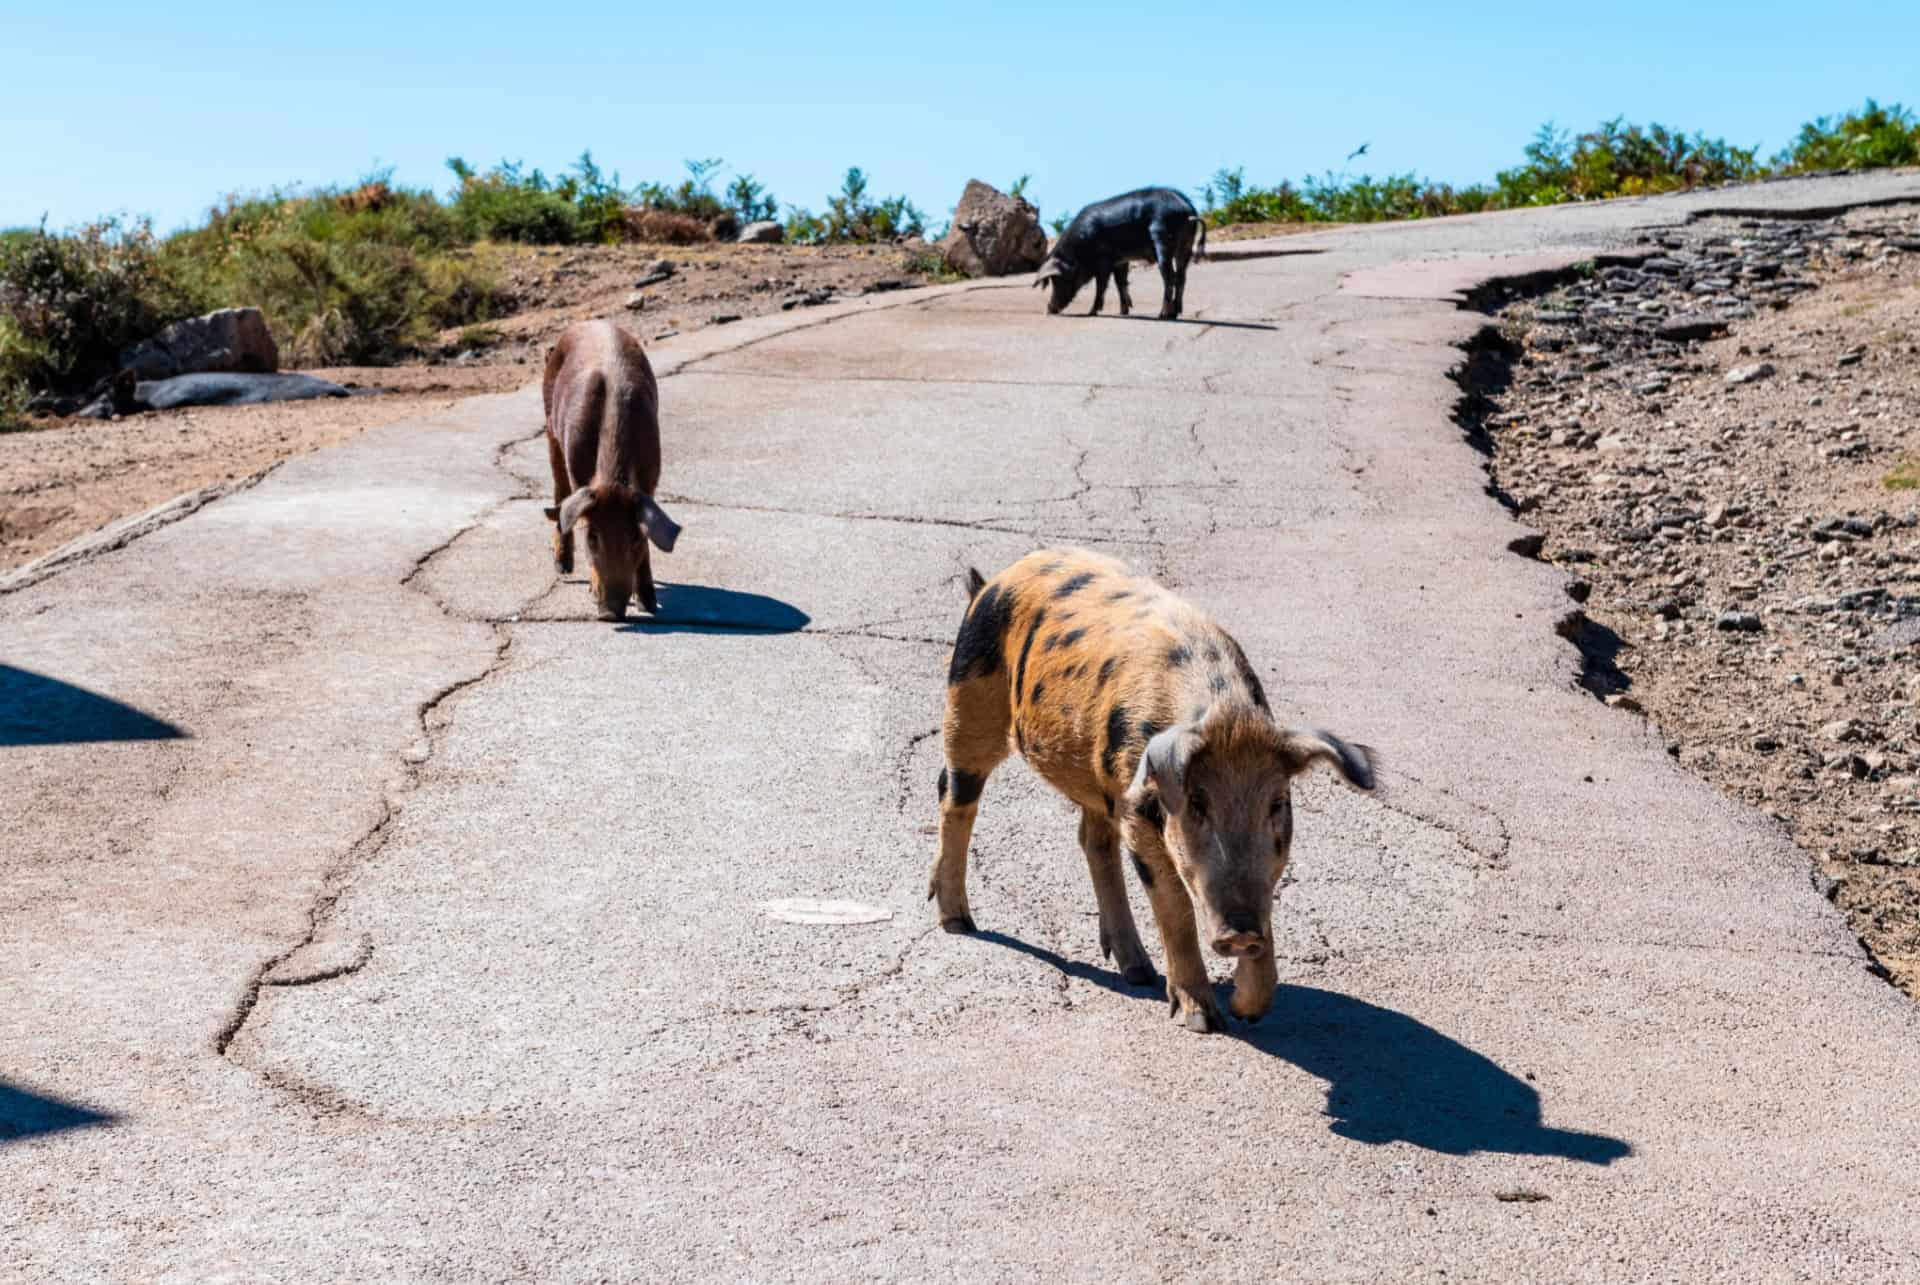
(1719, 437)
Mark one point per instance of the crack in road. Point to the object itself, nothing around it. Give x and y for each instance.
(337, 877)
(1496, 858)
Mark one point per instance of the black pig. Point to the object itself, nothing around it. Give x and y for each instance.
(1155, 224)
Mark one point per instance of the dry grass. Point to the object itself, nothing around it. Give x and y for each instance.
(666, 227)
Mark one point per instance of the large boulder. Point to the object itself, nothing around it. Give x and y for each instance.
(233, 339)
(993, 234)
(763, 231)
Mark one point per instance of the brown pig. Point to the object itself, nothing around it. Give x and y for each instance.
(603, 440)
(1139, 708)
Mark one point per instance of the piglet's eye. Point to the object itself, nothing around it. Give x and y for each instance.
(1197, 804)
(1280, 807)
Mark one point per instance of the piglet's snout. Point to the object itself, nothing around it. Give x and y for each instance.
(1239, 938)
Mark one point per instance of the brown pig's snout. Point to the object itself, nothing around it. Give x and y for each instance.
(1239, 937)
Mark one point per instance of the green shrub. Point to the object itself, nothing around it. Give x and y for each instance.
(932, 264)
(692, 196)
(1227, 199)
(340, 283)
(751, 201)
(1612, 159)
(70, 303)
(1870, 138)
(1615, 159)
(506, 205)
(851, 216)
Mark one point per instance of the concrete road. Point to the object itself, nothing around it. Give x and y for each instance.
(368, 912)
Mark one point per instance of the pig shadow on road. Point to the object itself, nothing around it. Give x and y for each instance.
(38, 710)
(1183, 321)
(1390, 1078)
(24, 1114)
(707, 609)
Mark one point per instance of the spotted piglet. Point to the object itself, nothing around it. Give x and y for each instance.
(1140, 709)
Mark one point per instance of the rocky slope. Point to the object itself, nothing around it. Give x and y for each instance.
(1719, 435)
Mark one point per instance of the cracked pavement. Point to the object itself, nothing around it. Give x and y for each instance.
(425, 941)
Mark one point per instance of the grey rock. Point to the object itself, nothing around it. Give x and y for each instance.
(1738, 622)
(762, 232)
(1750, 373)
(1904, 634)
(232, 339)
(1689, 326)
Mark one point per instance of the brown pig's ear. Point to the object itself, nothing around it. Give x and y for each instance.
(1164, 763)
(1302, 747)
(569, 513)
(660, 528)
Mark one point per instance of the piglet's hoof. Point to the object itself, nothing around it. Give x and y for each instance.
(1139, 974)
(1250, 1009)
(1195, 1013)
(959, 924)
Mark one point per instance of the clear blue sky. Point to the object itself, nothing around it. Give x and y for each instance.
(157, 109)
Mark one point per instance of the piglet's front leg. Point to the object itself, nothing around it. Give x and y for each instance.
(1189, 989)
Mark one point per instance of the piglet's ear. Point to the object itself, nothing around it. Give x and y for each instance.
(576, 504)
(1164, 763)
(660, 528)
(552, 512)
(1302, 747)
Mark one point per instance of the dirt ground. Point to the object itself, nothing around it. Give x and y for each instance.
(70, 476)
(1740, 511)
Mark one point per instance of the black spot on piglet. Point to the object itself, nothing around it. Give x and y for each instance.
(977, 649)
(1117, 726)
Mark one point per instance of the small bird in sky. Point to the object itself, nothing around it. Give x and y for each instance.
(1360, 150)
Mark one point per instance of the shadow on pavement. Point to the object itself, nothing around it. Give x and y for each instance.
(700, 609)
(26, 1115)
(1389, 1078)
(1137, 315)
(37, 710)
